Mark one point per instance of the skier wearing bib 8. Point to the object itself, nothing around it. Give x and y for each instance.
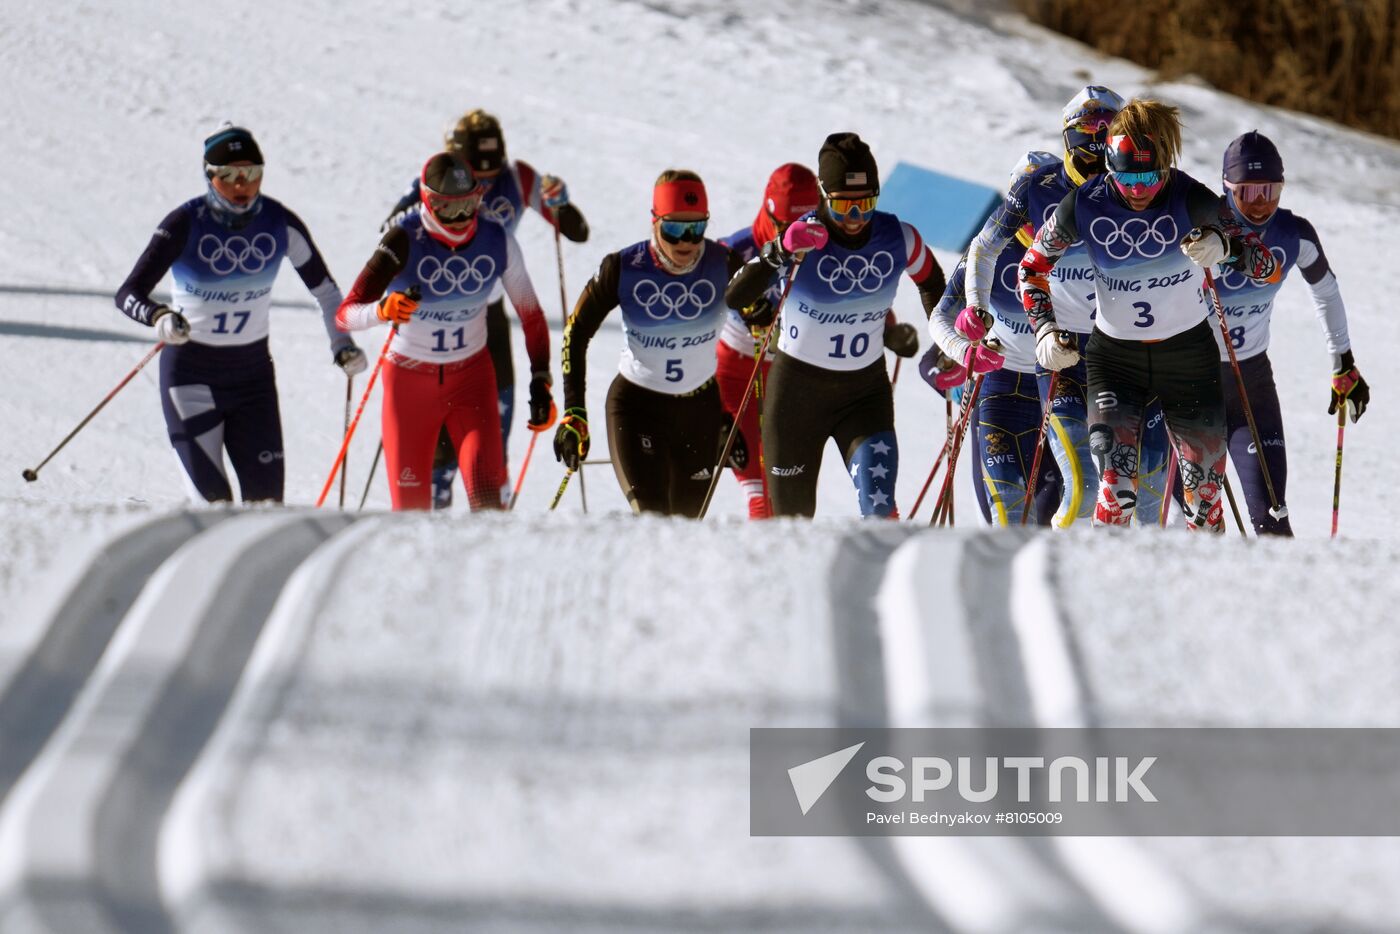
(1152, 336)
(217, 385)
(665, 422)
(791, 193)
(511, 186)
(1253, 182)
(437, 371)
(828, 378)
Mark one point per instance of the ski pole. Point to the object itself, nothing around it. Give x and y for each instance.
(369, 478)
(1167, 493)
(940, 512)
(520, 480)
(947, 444)
(564, 310)
(582, 489)
(559, 493)
(1337, 484)
(894, 378)
(31, 474)
(1039, 446)
(748, 390)
(345, 467)
(1230, 495)
(1276, 509)
(350, 432)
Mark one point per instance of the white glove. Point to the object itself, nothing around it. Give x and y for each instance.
(1055, 349)
(171, 326)
(1206, 246)
(351, 359)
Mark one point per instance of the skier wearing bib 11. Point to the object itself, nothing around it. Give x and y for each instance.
(791, 193)
(665, 423)
(1253, 180)
(828, 378)
(437, 371)
(217, 384)
(1152, 335)
(509, 187)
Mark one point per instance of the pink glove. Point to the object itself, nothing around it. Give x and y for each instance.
(973, 323)
(982, 360)
(951, 378)
(802, 236)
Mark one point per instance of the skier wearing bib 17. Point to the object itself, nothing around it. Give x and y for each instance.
(828, 378)
(1151, 336)
(437, 372)
(1253, 181)
(511, 186)
(665, 422)
(791, 193)
(217, 384)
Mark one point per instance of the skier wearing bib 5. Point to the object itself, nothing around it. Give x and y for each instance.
(665, 422)
(217, 385)
(828, 378)
(1152, 336)
(791, 194)
(1253, 181)
(437, 372)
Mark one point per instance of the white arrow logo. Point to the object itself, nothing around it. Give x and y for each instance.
(810, 780)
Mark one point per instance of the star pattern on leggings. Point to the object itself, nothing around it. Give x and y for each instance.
(878, 498)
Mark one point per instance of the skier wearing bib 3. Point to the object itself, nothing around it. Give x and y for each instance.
(217, 385)
(1253, 181)
(791, 193)
(665, 422)
(1152, 336)
(828, 378)
(437, 372)
(510, 186)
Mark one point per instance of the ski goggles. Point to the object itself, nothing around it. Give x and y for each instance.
(851, 209)
(1138, 184)
(1255, 192)
(683, 231)
(233, 174)
(449, 208)
(1088, 130)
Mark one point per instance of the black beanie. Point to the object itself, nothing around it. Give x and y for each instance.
(1252, 157)
(446, 174)
(230, 144)
(846, 164)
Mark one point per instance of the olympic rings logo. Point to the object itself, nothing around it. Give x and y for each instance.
(500, 209)
(1010, 274)
(249, 256)
(1135, 235)
(844, 276)
(675, 298)
(456, 274)
(1233, 279)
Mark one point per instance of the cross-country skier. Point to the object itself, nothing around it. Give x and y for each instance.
(790, 194)
(438, 373)
(665, 422)
(512, 185)
(217, 385)
(828, 378)
(1151, 334)
(1253, 182)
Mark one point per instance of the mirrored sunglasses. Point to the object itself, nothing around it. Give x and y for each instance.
(232, 174)
(683, 231)
(852, 209)
(1249, 192)
(458, 206)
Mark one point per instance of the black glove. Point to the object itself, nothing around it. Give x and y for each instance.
(542, 411)
(774, 255)
(1348, 386)
(739, 450)
(571, 440)
(902, 338)
(759, 314)
(351, 359)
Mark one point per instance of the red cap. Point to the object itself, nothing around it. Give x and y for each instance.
(679, 196)
(791, 192)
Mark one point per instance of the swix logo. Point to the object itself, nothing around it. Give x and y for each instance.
(788, 471)
(407, 478)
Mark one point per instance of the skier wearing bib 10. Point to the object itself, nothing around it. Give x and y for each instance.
(437, 371)
(665, 423)
(217, 384)
(1152, 336)
(791, 193)
(828, 378)
(1253, 181)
